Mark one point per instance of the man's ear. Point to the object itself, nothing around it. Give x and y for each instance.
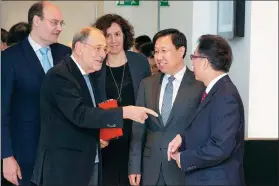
(206, 64)
(36, 20)
(78, 48)
(182, 50)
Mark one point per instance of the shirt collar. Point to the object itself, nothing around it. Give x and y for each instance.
(212, 83)
(79, 67)
(35, 45)
(179, 75)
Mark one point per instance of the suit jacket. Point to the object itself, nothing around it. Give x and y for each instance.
(69, 128)
(153, 138)
(21, 78)
(214, 139)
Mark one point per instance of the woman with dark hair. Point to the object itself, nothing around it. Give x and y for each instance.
(119, 78)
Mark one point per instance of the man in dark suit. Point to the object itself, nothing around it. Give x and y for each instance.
(213, 141)
(23, 68)
(175, 94)
(69, 148)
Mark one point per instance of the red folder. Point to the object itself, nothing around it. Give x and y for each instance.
(109, 133)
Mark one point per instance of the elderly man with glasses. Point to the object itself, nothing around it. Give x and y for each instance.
(69, 147)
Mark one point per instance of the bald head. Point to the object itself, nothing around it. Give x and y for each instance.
(39, 8)
(91, 34)
(89, 49)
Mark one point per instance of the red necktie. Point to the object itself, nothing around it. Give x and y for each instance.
(203, 96)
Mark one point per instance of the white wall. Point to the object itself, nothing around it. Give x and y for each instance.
(179, 15)
(143, 17)
(204, 21)
(76, 14)
(263, 96)
(240, 68)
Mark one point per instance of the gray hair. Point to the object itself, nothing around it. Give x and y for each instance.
(82, 35)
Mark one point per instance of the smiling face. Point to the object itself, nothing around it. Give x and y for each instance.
(169, 60)
(115, 39)
(92, 51)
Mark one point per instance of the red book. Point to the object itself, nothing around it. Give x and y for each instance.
(109, 133)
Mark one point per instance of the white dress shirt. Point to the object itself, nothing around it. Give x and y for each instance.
(36, 47)
(176, 84)
(212, 83)
(83, 73)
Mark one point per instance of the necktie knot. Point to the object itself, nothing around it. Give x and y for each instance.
(203, 96)
(171, 79)
(44, 50)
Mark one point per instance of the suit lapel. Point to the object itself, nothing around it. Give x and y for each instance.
(156, 96)
(135, 73)
(54, 53)
(182, 98)
(32, 59)
(80, 79)
(100, 81)
(208, 98)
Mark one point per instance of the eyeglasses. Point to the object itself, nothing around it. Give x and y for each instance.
(98, 48)
(163, 51)
(55, 22)
(192, 57)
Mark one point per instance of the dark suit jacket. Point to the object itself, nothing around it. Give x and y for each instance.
(69, 128)
(153, 138)
(21, 78)
(214, 139)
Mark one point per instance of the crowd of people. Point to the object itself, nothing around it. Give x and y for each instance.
(180, 126)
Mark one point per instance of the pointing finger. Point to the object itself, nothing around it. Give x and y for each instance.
(149, 111)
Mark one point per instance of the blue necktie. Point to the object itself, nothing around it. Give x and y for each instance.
(86, 78)
(167, 100)
(45, 60)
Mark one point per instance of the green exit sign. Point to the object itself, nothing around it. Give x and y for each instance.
(164, 3)
(127, 3)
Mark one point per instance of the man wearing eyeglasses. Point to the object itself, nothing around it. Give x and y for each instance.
(175, 94)
(212, 144)
(69, 147)
(24, 66)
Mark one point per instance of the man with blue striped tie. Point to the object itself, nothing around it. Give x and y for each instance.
(175, 94)
(69, 148)
(23, 68)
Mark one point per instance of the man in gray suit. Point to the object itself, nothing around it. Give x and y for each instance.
(175, 94)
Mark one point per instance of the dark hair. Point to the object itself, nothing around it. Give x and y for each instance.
(217, 50)
(35, 10)
(140, 40)
(18, 32)
(4, 35)
(104, 22)
(177, 37)
(147, 49)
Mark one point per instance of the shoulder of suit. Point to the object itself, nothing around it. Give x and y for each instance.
(61, 46)
(11, 49)
(134, 55)
(11, 54)
(61, 67)
(152, 78)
